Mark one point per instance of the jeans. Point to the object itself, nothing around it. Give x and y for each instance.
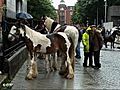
(97, 58)
(78, 50)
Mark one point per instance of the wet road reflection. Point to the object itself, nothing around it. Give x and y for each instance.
(85, 78)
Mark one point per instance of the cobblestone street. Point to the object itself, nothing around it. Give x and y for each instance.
(107, 77)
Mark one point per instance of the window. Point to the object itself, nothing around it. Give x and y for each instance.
(62, 13)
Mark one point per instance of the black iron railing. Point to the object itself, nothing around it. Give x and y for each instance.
(11, 50)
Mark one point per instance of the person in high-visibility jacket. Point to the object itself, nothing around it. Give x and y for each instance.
(87, 43)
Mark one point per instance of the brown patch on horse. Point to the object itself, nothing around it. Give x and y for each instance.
(64, 70)
(37, 48)
(57, 42)
(29, 45)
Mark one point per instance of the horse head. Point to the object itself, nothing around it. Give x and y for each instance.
(50, 24)
(16, 32)
(40, 27)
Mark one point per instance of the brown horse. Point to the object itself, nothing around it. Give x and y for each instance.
(38, 43)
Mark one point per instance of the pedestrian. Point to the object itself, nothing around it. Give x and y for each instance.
(78, 55)
(88, 46)
(98, 43)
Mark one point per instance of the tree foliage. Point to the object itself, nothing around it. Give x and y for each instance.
(38, 8)
(90, 10)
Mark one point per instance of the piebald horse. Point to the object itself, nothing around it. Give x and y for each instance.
(53, 26)
(39, 43)
(110, 38)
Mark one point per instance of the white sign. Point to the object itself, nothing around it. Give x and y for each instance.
(108, 25)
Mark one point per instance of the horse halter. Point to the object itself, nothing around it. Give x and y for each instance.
(16, 34)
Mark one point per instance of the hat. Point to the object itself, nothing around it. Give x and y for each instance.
(93, 25)
(88, 28)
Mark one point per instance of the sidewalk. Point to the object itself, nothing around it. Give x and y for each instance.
(85, 78)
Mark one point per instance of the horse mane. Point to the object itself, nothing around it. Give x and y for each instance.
(49, 22)
(35, 36)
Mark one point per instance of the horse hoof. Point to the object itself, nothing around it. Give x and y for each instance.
(28, 78)
(55, 69)
(70, 76)
(34, 76)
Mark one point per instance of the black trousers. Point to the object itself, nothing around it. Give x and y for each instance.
(97, 58)
(86, 56)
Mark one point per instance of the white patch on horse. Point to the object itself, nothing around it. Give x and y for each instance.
(72, 32)
(66, 39)
(38, 38)
(12, 31)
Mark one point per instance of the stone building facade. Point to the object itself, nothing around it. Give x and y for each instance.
(114, 15)
(15, 6)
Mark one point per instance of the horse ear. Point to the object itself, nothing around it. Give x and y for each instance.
(44, 17)
(21, 25)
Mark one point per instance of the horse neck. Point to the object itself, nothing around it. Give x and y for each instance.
(29, 32)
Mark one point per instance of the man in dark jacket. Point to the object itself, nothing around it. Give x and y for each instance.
(98, 43)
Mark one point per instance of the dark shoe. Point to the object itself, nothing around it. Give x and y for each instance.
(99, 65)
(95, 67)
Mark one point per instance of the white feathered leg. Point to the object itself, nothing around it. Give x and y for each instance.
(47, 65)
(70, 69)
(33, 72)
(55, 61)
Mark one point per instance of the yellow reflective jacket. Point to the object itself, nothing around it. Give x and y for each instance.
(85, 41)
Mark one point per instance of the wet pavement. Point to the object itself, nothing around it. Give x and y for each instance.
(107, 77)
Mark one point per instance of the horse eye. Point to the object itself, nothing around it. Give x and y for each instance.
(14, 29)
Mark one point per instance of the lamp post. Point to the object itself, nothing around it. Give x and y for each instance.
(105, 10)
(97, 18)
